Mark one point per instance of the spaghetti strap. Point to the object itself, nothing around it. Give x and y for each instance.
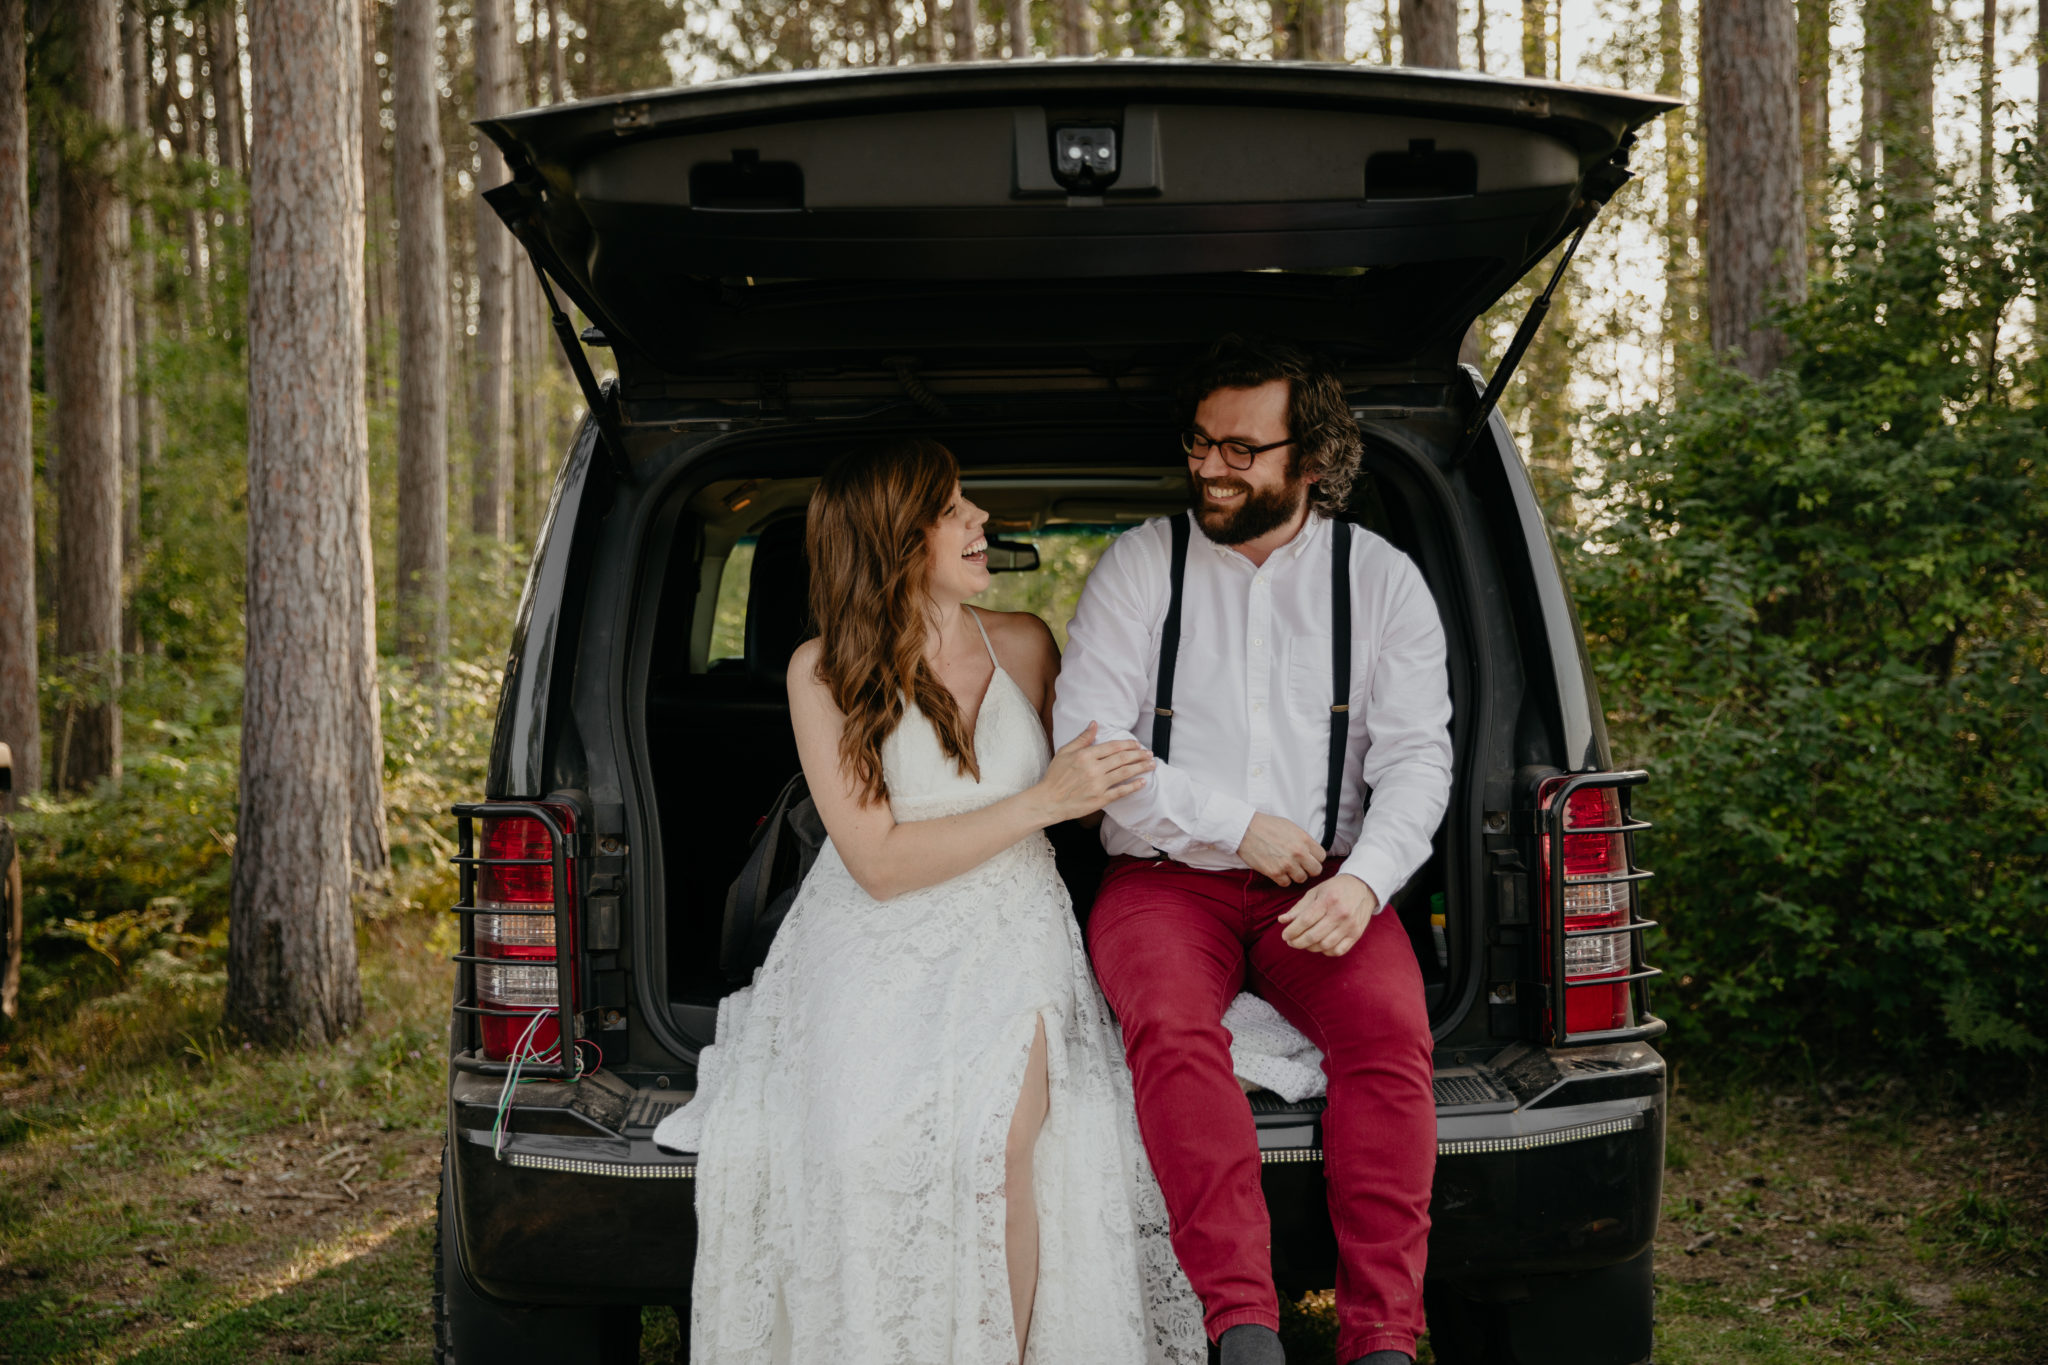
(984, 637)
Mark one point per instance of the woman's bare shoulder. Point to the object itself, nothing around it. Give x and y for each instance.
(1024, 631)
(803, 668)
(1025, 646)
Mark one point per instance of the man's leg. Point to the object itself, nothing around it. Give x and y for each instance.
(1167, 949)
(1367, 1013)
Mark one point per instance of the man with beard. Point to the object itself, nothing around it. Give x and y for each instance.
(1216, 882)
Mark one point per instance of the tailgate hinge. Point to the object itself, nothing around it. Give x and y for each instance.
(1598, 187)
(600, 401)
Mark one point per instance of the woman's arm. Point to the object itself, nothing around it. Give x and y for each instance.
(889, 858)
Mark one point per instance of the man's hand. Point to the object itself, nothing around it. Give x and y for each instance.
(1280, 849)
(1331, 918)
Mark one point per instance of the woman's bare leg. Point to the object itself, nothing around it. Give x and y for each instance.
(1020, 1220)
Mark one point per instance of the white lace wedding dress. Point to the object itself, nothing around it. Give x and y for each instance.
(851, 1118)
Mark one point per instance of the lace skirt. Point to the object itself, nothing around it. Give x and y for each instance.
(855, 1112)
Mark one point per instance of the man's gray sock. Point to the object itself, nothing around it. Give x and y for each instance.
(1386, 1357)
(1248, 1343)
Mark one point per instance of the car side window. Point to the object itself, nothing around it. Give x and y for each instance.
(729, 622)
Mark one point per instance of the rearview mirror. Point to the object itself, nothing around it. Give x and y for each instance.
(1011, 556)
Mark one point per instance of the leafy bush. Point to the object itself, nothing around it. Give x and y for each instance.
(1816, 603)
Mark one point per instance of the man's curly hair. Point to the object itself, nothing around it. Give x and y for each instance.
(1326, 441)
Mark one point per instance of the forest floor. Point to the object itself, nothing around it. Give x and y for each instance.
(166, 1198)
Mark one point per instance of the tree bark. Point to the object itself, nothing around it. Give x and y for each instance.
(1756, 228)
(1816, 19)
(1197, 26)
(1017, 25)
(490, 408)
(1680, 280)
(20, 719)
(558, 88)
(87, 322)
(1535, 41)
(378, 286)
(224, 67)
(1479, 32)
(1987, 112)
(1901, 56)
(965, 44)
(138, 404)
(2041, 79)
(422, 341)
(292, 969)
(1077, 29)
(1429, 33)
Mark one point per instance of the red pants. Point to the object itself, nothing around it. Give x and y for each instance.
(1172, 946)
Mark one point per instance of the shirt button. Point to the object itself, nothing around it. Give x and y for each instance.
(1258, 640)
(1257, 772)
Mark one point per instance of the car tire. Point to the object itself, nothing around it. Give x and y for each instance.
(1601, 1317)
(472, 1329)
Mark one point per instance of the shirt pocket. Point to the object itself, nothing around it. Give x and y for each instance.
(1308, 678)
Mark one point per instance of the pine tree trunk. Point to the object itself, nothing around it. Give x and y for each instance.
(2041, 79)
(1901, 53)
(20, 721)
(965, 41)
(1535, 43)
(1479, 32)
(291, 942)
(376, 214)
(1198, 27)
(1816, 18)
(1756, 227)
(558, 87)
(87, 320)
(1680, 293)
(422, 339)
(1429, 33)
(138, 415)
(1017, 24)
(1987, 112)
(490, 408)
(224, 69)
(1077, 29)
(368, 837)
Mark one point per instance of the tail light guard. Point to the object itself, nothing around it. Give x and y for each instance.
(1595, 976)
(517, 862)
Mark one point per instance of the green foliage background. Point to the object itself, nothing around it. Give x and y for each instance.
(1816, 608)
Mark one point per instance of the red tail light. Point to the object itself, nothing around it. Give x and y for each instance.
(1598, 888)
(515, 925)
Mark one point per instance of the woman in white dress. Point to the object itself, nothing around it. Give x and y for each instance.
(915, 1137)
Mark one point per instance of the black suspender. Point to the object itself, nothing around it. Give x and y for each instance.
(1340, 660)
(1340, 672)
(1169, 643)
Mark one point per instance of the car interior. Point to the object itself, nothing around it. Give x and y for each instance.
(730, 582)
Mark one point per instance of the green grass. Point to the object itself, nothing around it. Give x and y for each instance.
(153, 1179)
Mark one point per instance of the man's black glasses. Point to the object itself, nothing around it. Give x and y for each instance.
(1236, 454)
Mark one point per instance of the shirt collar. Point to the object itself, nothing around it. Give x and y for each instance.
(1305, 539)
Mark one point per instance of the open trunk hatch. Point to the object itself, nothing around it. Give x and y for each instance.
(1005, 213)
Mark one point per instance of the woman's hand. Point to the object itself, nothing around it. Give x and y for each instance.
(1084, 776)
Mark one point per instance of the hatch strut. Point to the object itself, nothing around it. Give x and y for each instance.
(579, 364)
(1524, 334)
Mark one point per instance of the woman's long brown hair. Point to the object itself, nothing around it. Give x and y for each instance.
(870, 561)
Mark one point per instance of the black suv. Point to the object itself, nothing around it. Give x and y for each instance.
(1016, 259)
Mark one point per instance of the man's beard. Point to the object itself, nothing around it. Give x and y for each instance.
(1254, 514)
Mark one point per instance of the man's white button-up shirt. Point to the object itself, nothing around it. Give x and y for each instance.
(1251, 698)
